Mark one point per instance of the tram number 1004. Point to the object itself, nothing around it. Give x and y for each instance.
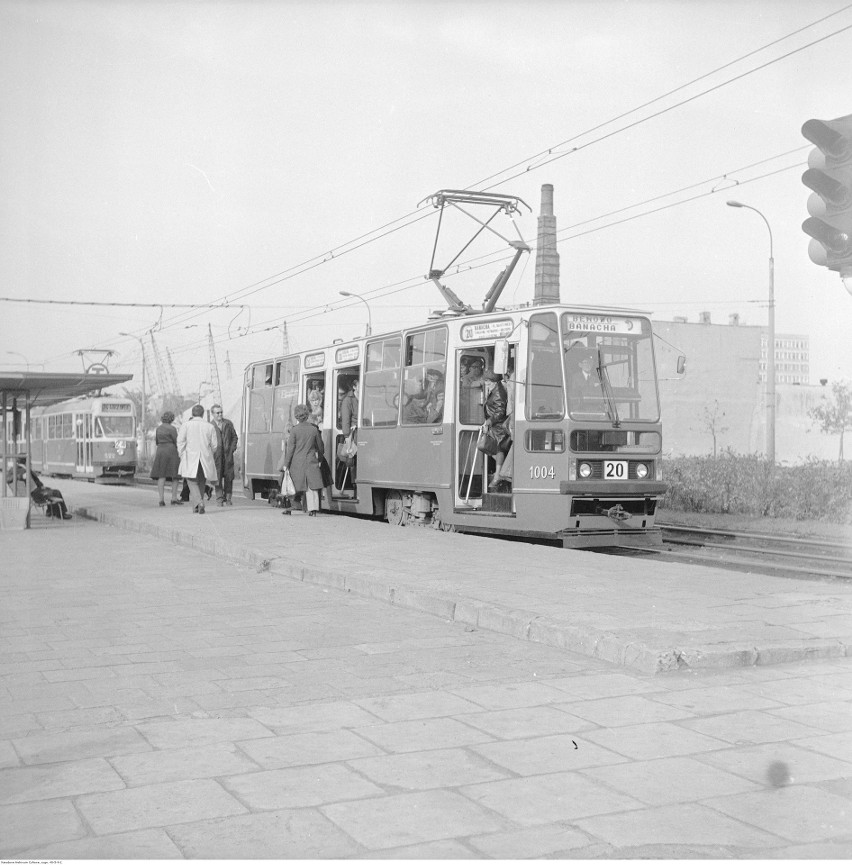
(539, 472)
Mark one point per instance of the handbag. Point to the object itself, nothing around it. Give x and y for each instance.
(493, 440)
(288, 488)
(347, 450)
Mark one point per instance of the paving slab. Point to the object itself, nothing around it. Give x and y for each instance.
(554, 754)
(648, 615)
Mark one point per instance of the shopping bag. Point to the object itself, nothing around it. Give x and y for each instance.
(347, 450)
(288, 488)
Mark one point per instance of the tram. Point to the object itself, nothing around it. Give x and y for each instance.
(585, 462)
(88, 437)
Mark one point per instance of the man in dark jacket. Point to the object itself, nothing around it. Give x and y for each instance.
(227, 436)
(495, 407)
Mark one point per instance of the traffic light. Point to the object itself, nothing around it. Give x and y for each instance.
(830, 207)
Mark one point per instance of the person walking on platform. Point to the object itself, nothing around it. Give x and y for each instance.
(197, 445)
(304, 449)
(227, 438)
(166, 466)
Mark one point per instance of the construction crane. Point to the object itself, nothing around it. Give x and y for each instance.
(214, 366)
(162, 381)
(172, 374)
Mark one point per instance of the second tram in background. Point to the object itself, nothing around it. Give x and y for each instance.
(89, 437)
(585, 464)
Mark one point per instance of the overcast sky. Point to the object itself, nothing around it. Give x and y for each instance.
(275, 153)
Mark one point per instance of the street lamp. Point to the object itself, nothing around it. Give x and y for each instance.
(369, 317)
(144, 396)
(770, 353)
(20, 355)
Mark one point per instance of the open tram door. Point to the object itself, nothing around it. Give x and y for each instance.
(483, 482)
(344, 421)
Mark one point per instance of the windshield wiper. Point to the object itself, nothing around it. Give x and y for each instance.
(612, 409)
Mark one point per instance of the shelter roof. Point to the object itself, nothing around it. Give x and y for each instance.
(47, 388)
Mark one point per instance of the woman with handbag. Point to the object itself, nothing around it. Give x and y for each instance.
(302, 461)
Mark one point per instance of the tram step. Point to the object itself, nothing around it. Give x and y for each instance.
(500, 503)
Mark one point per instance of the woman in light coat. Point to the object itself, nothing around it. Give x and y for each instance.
(197, 443)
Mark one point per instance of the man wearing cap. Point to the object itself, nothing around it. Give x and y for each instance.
(585, 384)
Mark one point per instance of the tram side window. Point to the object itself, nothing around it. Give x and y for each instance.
(379, 405)
(545, 392)
(286, 392)
(425, 374)
(260, 399)
(67, 426)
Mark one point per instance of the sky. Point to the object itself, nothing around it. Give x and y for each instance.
(250, 160)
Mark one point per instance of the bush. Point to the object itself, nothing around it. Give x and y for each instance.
(742, 484)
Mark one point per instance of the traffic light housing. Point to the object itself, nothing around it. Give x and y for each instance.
(830, 206)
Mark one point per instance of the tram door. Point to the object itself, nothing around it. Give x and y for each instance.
(474, 469)
(84, 432)
(344, 471)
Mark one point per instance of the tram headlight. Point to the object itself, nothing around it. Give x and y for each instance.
(641, 471)
(585, 470)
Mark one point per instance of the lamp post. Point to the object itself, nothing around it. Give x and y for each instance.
(144, 396)
(369, 317)
(770, 349)
(20, 355)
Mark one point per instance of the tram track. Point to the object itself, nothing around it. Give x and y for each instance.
(778, 555)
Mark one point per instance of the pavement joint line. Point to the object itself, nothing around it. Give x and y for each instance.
(521, 624)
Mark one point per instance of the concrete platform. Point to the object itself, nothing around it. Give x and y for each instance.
(650, 616)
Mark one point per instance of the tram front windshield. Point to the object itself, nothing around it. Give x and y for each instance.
(113, 427)
(609, 368)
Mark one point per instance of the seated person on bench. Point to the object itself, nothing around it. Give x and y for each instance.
(51, 499)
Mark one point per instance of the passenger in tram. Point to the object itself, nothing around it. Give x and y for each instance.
(304, 449)
(495, 406)
(51, 499)
(316, 398)
(474, 374)
(505, 473)
(427, 406)
(166, 463)
(349, 408)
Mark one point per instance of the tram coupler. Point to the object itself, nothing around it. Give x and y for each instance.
(616, 513)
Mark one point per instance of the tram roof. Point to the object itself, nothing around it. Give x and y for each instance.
(47, 388)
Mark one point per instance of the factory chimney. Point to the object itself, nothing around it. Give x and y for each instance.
(546, 257)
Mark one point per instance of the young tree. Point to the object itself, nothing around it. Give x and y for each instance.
(712, 422)
(834, 414)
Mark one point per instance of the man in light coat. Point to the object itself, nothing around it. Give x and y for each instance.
(197, 444)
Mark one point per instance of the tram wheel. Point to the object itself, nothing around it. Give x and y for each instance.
(394, 508)
(439, 525)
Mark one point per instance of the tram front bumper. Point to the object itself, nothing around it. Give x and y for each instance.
(612, 489)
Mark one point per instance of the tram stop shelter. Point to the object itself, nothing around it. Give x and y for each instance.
(20, 392)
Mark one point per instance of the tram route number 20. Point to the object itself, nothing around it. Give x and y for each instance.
(539, 472)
